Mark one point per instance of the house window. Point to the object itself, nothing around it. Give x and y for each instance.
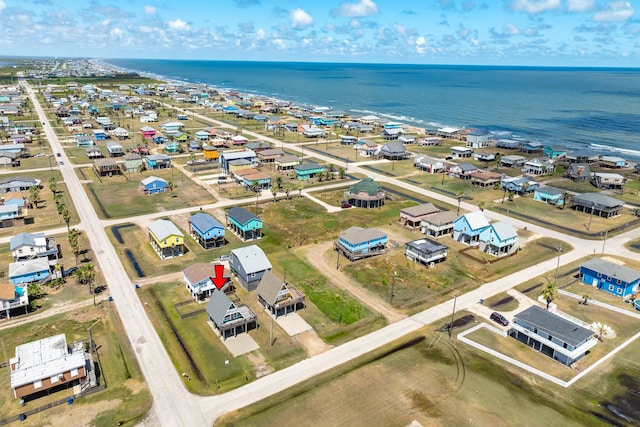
(599, 274)
(74, 372)
(619, 291)
(610, 287)
(565, 345)
(618, 281)
(37, 384)
(252, 275)
(55, 379)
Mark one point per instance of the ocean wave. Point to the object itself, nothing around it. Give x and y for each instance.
(627, 151)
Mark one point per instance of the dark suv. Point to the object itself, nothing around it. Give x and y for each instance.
(499, 318)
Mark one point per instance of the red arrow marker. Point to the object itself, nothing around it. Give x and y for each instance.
(219, 280)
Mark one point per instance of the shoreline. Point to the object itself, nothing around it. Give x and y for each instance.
(498, 132)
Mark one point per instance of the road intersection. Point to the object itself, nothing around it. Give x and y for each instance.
(173, 404)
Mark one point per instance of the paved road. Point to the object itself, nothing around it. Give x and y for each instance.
(173, 405)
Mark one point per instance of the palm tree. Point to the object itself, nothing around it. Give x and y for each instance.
(34, 195)
(511, 196)
(287, 189)
(481, 205)
(459, 197)
(300, 187)
(53, 185)
(278, 182)
(274, 191)
(74, 242)
(549, 293)
(566, 197)
(525, 187)
(86, 275)
(585, 299)
(342, 173)
(255, 186)
(66, 216)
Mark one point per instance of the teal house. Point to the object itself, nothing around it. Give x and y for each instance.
(244, 224)
(554, 152)
(305, 171)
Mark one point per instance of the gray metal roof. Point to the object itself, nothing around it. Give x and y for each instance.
(569, 332)
(241, 215)
(163, 228)
(504, 230)
(252, 258)
(24, 239)
(218, 305)
(27, 267)
(550, 190)
(420, 210)
(426, 246)
(596, 199)
(204, 222)
(359, 234)
(269, 287)
(610, 269)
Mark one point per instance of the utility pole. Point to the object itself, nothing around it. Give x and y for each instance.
(271, 334)
(453, 313)
(604, 241)
(91, 344)
(393, 286)
(559, 249)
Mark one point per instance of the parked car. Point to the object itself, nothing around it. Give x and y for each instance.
(61, 162)
(224, 258)
(58, 155)
(499, 318)
(345, 205)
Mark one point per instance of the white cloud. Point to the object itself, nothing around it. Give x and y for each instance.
(534, 6)
(3, 5)
(260, 34)
(116, 33)
(356, 10)
(511, 29)
(614, 11)
(581, 5)
(150, 10)
(300, 19)
(179, 25)
(421, 45)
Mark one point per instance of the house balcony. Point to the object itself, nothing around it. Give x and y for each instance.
(570, 354)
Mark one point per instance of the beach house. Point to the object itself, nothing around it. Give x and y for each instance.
(243, 223)
(365, 194)
(197, 278)
(426, 251)
(115, 149)
(499, 239)
(29, 270)
(229, 318)
(356, 242)
(467, 228)
(608, 181)
(552, 195)
(166, 239)
(308, 170)
(438, 224)
(552, 335)
(578, 172)
(428, 164)
(12, 297)
(610, 277)
(206, 230)
(154, 185)
(597, 204)
(394, 150)
(32, 245)
(412, 216)
(249, 264)
(157, 161)
(479, 138)
(277, 296)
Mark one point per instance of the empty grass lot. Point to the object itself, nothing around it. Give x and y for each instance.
(432, 380)
(119, 197)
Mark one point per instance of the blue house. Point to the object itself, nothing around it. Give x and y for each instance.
(610, 277)
(158, 139)
(357, 242)
(531, 147)
(154, 185)
(308, 170)
(206, 230)
(467, 228)
(10, 211)
(230, 155)
(249, 265)
(554, 152)
(518, 185)
(157, 161)
(28, 271)
(548, 194)
(244, 224)
(99, 134)
(499, 239)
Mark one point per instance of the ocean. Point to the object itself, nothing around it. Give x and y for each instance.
(578, 108)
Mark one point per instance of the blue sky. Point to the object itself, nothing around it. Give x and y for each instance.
(507, 32)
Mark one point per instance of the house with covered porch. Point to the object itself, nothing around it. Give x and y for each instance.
(230, 317)
(438, 224)
(199, 283)
(365, 194)
(166, 239)
(426, 251)
(467, 228)
(157, 161)
(597, 204)
(356, 242)
(566, 341)
(412, 216)
(552, 195)
(206, 230)
(243, 223)
(106, 167)
(305, 171)
(286, 162)
(29, 270)
(12, 297)
(499, 239)
(429, 164)
(277, 296)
